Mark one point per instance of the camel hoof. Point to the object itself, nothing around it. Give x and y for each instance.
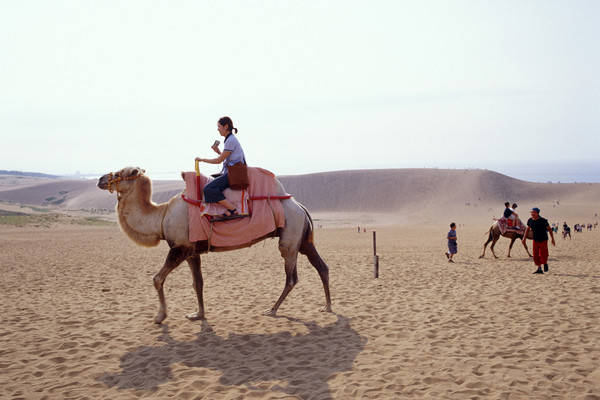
(195, 316)
(160, 317)
(270, 312)
(327, 308)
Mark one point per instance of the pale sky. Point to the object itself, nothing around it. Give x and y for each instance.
(312, 85)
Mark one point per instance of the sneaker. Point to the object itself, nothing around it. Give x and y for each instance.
(545, 267)
(450, 260)
(539, 271)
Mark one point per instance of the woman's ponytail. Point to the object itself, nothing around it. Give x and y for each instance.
(227, 121)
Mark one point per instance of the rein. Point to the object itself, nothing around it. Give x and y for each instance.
(114, 179)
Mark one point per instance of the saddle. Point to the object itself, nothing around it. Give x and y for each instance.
(507, 224)
(193, 194)
(261, 202)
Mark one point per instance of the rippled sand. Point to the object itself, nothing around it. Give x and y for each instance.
(78, 306)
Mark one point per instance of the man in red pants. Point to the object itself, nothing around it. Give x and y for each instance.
(540, 228)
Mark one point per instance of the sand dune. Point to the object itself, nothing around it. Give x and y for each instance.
(397, 190)
(77, 194)
(11, 182)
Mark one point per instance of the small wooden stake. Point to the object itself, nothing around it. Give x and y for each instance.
(374, 243)
(375, 257)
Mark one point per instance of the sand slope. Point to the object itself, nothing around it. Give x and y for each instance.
(78, 194)
(398, 190)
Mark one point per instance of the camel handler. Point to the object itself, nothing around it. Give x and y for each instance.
(540, 228)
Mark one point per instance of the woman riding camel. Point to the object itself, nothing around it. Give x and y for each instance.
(231, 155)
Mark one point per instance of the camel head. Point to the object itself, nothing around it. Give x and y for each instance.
(121, 181)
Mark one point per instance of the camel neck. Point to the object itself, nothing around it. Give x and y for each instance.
(139, 217)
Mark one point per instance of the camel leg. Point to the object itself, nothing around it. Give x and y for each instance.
(486, 243)
(484, 247)
(512, 241)
(175, 257)
(196, 268)
(309, 250)
(291, 277)
(492, 247)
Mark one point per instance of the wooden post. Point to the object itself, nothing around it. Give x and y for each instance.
(375, 257)
(374, 243)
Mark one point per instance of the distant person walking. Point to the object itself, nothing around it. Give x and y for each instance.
(566, 231)
(452, 246)
(540, 228)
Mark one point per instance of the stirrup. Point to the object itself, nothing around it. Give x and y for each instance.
(234, 215)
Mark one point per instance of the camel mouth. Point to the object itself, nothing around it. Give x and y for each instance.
(103, 182)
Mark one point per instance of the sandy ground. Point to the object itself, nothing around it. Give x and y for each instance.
(78, 306)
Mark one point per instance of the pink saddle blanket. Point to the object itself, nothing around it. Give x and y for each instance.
(505, 224)
(263, 206)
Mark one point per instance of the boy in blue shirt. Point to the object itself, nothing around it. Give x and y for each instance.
(452, 246)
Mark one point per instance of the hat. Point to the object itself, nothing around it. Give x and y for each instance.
(537, 210)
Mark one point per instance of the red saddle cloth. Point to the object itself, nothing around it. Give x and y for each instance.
(266, 212)
(505, 224)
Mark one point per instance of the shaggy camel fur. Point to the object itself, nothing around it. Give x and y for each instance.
(147, 223)
(494, 234)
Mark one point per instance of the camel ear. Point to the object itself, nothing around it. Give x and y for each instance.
(143, 171)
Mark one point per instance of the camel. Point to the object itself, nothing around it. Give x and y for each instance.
(494, 234)
(147, 223)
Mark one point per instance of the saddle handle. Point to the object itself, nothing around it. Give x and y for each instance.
(198, 191)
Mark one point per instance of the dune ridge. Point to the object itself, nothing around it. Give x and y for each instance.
(347, 191)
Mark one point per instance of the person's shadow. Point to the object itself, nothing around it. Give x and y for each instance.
(304, 361)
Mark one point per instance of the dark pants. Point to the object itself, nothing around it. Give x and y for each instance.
(213, 192)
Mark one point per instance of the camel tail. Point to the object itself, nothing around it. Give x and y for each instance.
(489, 234)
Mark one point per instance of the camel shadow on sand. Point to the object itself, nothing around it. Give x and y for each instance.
(304, 361)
